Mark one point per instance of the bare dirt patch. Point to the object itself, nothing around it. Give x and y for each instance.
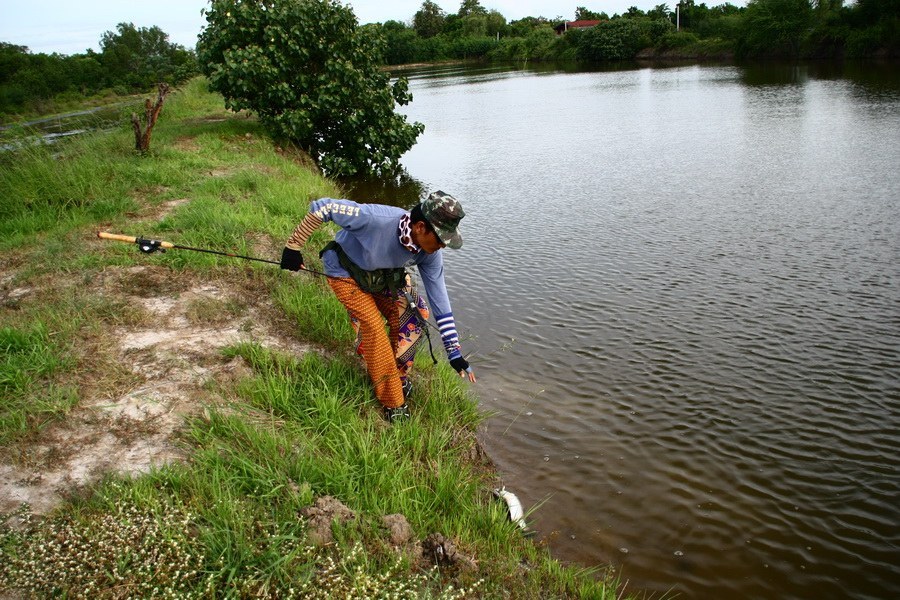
(162, 210)
(171, 365)
(188, 143)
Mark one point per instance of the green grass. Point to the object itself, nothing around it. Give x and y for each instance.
(29, 398)
(226, 523)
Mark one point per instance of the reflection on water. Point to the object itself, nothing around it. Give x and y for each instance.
(402, 190)
(48, 130)
(681, 289)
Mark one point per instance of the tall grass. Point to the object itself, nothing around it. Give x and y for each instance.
(198, 152)
(28, 362)
(228, 524)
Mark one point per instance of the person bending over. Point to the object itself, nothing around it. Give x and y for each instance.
(366, 264)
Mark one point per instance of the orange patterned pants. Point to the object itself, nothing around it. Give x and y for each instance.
(379, 347)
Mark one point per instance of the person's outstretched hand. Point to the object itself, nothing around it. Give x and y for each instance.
(462, 367)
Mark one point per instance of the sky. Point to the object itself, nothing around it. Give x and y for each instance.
(73, 26)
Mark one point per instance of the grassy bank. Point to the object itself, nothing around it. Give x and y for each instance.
(275, 412)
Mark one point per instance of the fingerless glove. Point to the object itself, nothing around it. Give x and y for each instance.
(459, 364)
(291, 260)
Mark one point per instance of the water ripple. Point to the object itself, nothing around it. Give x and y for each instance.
(688, 330)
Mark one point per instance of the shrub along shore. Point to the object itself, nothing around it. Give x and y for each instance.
(288, 483)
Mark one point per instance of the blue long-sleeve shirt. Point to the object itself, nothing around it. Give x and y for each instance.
(370, 236)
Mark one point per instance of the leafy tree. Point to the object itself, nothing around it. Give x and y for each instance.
(775, 27)
(660, 11)
(487, 24)
(522, 27)
(536, 44)
(619, 39)
(312, 76)
(85, 72)
(496, 23)
(583, 14)
(471, 7)
(429, 20)
(633, 13)
(873, 11)
(453, 26)
(400, 42)
(875, 27)
(142, 57)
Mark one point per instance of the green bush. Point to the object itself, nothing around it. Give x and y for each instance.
(471, 47)
(619, 39)
(535, 45)
(775, 28)
(400, 43)
(433, 48)
(654, 30)
(312, 75)
(862, 43)
(677, 39)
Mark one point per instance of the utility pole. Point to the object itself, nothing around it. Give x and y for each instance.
(678, 17)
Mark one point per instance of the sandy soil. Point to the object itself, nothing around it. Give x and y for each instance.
(171, 364)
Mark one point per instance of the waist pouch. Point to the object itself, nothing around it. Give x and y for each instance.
(378, 281)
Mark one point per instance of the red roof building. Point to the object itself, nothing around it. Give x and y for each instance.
(582, 24)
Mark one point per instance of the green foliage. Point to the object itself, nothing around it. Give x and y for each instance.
(619, 39)
(863, 43)
(148, 551)
(400, 42)
(766, 28)
(774, 28)
(483, 24)
(583, 14)
(655, 29)
(470, 7)
(541, 42)
(434, 48)
(143, 57)
(429, 20)
(660, 11)
(227, 523)
(132, 60)
(29, 360)
(678, 39)
(471, 47)
(874, 27)
(535, 45)
(312, 76)
(727, 27)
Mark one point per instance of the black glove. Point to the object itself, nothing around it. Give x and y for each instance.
(291, 260)
(459, 364)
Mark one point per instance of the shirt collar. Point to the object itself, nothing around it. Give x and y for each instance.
(404, 232)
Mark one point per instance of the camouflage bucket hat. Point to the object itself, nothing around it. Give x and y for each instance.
(444, 212)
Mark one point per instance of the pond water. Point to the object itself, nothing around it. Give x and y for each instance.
(48, 130)
(680, 289)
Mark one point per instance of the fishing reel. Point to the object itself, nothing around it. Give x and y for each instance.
(149, 246)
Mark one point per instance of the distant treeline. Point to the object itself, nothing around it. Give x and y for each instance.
(134, 59)
(762, 29)
(131, 60)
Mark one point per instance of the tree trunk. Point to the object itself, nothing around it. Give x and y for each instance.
(151, 113)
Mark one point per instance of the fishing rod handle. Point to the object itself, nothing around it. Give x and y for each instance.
(128, 238)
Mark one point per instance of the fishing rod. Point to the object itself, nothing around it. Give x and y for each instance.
(148, 246)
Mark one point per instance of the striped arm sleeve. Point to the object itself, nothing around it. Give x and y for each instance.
(449, 336)
(310, 223)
